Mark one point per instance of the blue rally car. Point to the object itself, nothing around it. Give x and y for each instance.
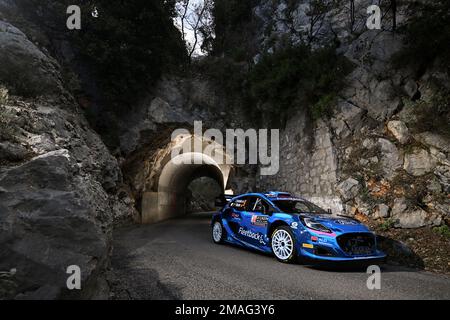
(291, 228)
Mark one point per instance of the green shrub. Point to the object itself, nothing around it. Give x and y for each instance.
(129, 46)
(298, 77)
(229, 75)
(387, 224)
(427, 36)
(230, 16)
(123, 51)
(443, 230)
(434, 115)
(323, 107)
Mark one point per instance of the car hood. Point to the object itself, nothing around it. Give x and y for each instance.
(337, 223)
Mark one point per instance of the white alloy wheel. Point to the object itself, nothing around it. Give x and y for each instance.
(282, 245)
(217, 232)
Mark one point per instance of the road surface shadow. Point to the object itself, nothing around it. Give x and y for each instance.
(128, 282)
(350, 267)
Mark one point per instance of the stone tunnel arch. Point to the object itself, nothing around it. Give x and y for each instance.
(173, 174)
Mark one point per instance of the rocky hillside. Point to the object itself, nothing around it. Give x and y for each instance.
(382, 152)
(58, 181)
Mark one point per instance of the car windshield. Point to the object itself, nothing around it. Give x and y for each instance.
(298, 206)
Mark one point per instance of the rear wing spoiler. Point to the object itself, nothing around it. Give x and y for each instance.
(223, 199)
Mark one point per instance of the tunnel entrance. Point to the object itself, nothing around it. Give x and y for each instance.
(201, 195)
(174, 175)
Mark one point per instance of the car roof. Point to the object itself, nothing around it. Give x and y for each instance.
(271, 195)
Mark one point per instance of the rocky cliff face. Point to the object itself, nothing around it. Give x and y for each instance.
(58, 181)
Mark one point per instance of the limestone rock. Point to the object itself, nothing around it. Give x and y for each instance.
(442, 209)
(48, 225)
(434, 140)
(381, 211)
(347, 118)
(362, 206)
(12, 152)
(411, 219)
(391, 158)
(34, 73)
(419, 162)
(399, 207)
(163, 112)
(348, 189)
(399, 130)
(57, 203)
(443, 174)
(368, 143)
(434, 186)
(411, 88)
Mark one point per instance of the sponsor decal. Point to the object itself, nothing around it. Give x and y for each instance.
(259, 220)
(308, 245)
(252, 235)
(319, 239)
(346, 222)
(240, 204)
(235, 215)
(294, 225)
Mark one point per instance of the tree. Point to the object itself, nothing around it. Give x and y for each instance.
(394, 14)
(195, 23)
(128, 46)
(182, 10)
(317, 12)
(234, 29)
(352, 15)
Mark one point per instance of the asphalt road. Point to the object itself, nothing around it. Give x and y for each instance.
(177, 259)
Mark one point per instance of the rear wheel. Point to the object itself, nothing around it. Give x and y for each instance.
(218, 232)
(283, 246)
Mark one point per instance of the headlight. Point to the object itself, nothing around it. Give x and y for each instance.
(312, 224)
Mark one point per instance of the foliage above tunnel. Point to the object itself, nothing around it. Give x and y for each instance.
(285, 78)
(427, 36)
(298, 77)
(126, 48)
(130, 45)
(234, 24)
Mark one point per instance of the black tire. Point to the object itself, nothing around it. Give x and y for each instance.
(285, 258)
(223, 232)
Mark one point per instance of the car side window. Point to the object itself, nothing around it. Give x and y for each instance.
(257, 204)
(239, 204)
(301, 207)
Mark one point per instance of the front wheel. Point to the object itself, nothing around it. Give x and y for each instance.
(283, 246)
(218, 232)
